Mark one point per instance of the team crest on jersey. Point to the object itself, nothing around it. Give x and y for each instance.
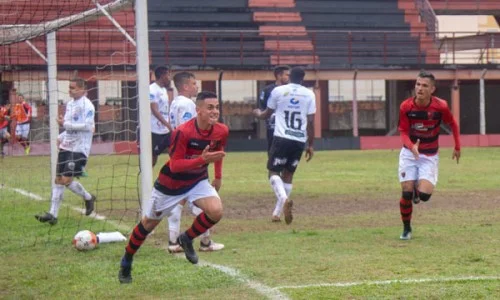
(76, 113)
(214, 144)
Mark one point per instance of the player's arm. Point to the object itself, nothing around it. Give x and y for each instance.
(449, 119)
(404, 132)
(310, 137)
(178, 162)
(156, 112)
(271, 107)
(28, 110)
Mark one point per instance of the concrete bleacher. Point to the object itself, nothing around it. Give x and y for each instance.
(258, 33)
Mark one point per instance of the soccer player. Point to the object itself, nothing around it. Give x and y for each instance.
(282, 76)
(195, 144)
(4, 127)
(160, 126)
(183, 109)
(22, 115)
(74, 150)
(295, 106)
(419, 121)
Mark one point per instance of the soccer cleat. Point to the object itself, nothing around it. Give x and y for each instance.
(124, 275)
(47, 217)
(174, 247)
(212, 246)
(84, 173)
(187, 244)
(287, 211)
(416, 199)
(27, 150)
(89, 205)
(406, 235)
(275, 219)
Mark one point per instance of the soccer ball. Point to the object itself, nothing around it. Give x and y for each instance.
(85, 240)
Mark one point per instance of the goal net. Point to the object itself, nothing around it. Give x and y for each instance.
(96, 48)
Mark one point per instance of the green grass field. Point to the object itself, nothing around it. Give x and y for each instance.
(343, 243)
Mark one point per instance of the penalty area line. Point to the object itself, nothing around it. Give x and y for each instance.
(268, 292)
(394, 281)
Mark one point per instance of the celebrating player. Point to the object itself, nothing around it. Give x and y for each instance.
(419, 121)
(22, 116)
(195, 144)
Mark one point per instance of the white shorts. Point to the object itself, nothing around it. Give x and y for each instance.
(4, 132)
(426, 167)
(23, 130)
(161, 205)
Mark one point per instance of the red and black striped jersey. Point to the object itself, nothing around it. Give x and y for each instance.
(423, 123)
(186, 166)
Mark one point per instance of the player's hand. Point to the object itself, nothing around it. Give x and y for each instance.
(217, 183)
(456, 155)
(414, 149)
(60, 120)
(257, 113)
(309, 153)
(214, 156)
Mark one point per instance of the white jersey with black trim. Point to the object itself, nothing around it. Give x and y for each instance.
(79, 125)
(158, 94)
(292, 104)
(182, 110)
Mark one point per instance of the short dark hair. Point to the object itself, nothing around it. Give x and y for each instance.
(160, 71)
(297, 75)
(429, 75)
(180, 78)
(205, 95)
(80, 82)
(279, 70)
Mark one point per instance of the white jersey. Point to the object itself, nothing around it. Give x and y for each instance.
(79, 125)
(158, 94)
(292, 104)
(182, 110)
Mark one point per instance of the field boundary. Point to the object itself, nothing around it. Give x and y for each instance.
(389, 282)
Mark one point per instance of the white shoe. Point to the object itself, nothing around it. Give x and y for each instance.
(174, 248)
(212, 246)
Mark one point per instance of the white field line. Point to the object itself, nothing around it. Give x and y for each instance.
(269, 292)
(388, 282)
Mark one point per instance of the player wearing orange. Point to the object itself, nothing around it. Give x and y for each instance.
(420, 118)
(22, 112)
(4, 127)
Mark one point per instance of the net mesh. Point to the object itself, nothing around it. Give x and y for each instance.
(89, 46)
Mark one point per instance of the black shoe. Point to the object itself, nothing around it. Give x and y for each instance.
(406, 235)
(47, 217)
(125, 276)
(89, 205)
(187, 244)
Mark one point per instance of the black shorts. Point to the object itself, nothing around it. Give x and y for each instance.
(70, 164)
(160, 142)
(270, 135)
(284, 154)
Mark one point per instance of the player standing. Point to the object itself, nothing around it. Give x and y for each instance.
(22, 115)
(420, 118)
(195, 144)
(282, 76)
(74, 150)
(295, 106)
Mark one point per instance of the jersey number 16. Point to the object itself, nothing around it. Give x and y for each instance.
(293, 120)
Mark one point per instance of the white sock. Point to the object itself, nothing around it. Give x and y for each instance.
(288, 189)
(174, 223)
(57, 197)
(279, 190)
(77, 188)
